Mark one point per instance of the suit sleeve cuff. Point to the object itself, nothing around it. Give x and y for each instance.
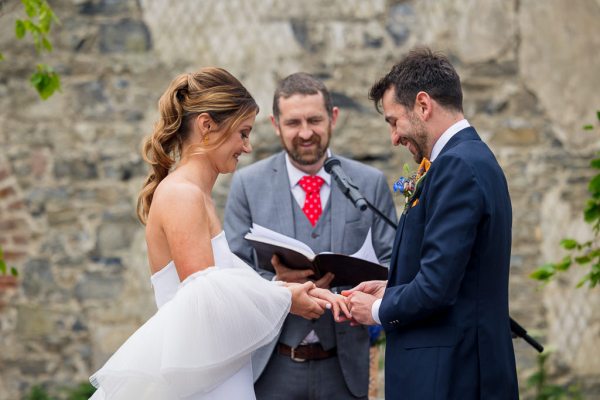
(375, 311)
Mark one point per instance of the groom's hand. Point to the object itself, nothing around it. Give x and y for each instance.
(360, 304)
(375, 288)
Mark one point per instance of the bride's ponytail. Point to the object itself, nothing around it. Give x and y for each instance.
(210, 90)
(162, 147)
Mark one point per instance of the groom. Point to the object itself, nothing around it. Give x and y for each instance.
(445, 306)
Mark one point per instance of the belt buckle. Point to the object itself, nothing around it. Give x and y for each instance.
(294, 358)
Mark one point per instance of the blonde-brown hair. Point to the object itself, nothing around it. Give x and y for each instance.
(211, 90)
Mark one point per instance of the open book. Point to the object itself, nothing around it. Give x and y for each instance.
(349, 270)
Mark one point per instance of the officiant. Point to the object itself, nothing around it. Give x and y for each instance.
(291, 193)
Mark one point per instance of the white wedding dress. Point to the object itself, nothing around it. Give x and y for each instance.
(199, 342)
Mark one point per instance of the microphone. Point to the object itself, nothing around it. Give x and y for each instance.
(350, 190)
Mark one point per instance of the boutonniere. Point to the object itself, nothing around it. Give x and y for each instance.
(408, 185)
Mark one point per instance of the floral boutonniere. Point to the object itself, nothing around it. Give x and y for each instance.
(408, 185)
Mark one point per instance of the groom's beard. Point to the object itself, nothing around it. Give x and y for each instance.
(418, 137)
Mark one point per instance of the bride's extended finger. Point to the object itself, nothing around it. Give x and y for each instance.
(324, 304)
(344, 308)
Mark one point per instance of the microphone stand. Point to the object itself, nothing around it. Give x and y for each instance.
(516, 329)
(381, 215)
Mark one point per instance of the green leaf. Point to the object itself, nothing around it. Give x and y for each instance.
(45, 81)
(588, 127)
(36, 79)
(594, 185)
(569, 244)
(564, 264)
(45, 20)
(591, 211)
(47, 45)
(31, 27)
(2, 267)
(31, 7)
(598, 115)
(595, 163)
(1, 57)
(20, 29)
(14, 272)
(1, 253)
(583, 259)
(543, 273)
(583, 281)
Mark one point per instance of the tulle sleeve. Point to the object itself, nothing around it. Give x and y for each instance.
(198, 339)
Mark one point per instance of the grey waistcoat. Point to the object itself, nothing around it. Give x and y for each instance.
(319, 240)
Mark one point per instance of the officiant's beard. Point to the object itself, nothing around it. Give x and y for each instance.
(312, 155)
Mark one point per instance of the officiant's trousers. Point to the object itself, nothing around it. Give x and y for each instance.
(308, 380)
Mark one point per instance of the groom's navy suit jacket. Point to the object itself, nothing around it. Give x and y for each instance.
(445, 310)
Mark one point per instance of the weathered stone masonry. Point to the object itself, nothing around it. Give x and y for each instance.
(70, 167)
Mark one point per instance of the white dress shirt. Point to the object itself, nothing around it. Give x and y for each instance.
(437, 149)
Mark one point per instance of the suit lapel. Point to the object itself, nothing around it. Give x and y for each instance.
(282, 198)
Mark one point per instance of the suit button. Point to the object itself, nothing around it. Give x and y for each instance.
(314, 235)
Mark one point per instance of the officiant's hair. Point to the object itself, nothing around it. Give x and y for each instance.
(210, 90)
(300, 83)
(421, 70)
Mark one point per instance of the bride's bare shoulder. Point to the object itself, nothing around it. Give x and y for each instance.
(177, 195)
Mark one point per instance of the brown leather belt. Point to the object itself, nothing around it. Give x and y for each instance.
(307, 352)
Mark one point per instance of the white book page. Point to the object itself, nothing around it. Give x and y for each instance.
(261, 231)
(367, 252)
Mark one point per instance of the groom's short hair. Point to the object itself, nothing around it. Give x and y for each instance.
(421, 70)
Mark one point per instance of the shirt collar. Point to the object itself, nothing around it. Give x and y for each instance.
(294, 174)
(446, 136)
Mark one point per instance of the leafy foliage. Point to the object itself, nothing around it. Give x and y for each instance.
(544, 390)
(83, 391)
(40, 18)
(38, 393)
(581, 253)
(45, 80)
(38, 23)
(4, 268)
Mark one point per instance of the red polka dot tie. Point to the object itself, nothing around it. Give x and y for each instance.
(312, 204)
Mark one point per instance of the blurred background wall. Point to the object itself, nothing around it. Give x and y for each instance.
(70, 167)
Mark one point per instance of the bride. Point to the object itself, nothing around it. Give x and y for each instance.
(213, 310)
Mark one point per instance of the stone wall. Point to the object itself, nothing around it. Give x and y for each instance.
(70, 167)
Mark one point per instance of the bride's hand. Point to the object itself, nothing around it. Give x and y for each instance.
(302, 303)
(335, 302)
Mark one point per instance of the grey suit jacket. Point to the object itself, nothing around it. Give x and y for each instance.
(260, 193)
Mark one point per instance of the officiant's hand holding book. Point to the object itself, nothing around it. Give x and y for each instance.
(348, 270)
(283, 273)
